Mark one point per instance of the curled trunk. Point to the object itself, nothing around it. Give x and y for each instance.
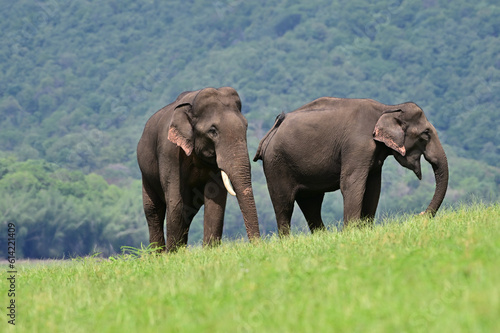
(436, 156)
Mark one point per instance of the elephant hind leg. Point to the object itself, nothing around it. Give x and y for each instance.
(154, 209)
(282, 190)
(284, 213)
(283, 208)
(311, 208)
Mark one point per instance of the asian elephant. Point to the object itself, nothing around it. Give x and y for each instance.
(188, 152)
(338, 143)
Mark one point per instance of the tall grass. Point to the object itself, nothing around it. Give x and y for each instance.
(410, 274)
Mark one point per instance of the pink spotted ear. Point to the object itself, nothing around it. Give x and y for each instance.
(181, 131)
(389, 130)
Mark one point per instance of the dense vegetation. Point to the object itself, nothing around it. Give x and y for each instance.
(63, 213)
(410, 275)
(79, 80)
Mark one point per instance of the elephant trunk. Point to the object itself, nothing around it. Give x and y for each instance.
(436, 156)
(237, 168)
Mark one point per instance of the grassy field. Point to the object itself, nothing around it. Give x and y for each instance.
(412, 274)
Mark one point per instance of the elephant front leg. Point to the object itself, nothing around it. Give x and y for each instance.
(180, 213)
(372, 195)
(353, 188)
(215, 206)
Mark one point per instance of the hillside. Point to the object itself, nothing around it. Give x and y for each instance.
(79, 80)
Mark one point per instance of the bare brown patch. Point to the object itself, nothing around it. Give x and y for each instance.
(247, 191)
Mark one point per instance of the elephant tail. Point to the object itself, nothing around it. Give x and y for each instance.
(268, 136)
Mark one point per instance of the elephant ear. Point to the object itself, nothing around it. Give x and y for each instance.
(389, 130)
(181, 130)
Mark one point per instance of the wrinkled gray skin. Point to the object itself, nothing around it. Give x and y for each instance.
(181, 153)
(334, 143)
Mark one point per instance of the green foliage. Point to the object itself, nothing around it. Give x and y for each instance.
(70, 69)
(79, 80)
(409, 275)
(60, 213)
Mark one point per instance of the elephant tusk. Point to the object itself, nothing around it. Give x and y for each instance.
(227, 183)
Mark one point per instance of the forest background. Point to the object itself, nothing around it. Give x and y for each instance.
(79, 79)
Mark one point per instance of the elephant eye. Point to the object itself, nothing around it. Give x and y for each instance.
(213, 131)
(426, 135)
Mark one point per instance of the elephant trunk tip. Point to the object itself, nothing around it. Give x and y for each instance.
(253, 235)
(429, 212)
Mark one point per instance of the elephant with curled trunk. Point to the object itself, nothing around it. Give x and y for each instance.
(189, 154)
(337, 143)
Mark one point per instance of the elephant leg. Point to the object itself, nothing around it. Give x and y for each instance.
(352, 187)
(372, 195)
(311, 208)
(215, 206)
(282, 192)
(283, 208)
(283, 211)
(180, 214)
(154, 209)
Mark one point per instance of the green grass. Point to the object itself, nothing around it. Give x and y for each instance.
(412, 274)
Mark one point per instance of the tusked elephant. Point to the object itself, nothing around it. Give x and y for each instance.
(337, 143)
(189, 152)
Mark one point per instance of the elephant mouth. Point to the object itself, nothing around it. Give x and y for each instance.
(208, 161)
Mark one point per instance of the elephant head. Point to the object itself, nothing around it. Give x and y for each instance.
(209, 124)
(409, 134)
